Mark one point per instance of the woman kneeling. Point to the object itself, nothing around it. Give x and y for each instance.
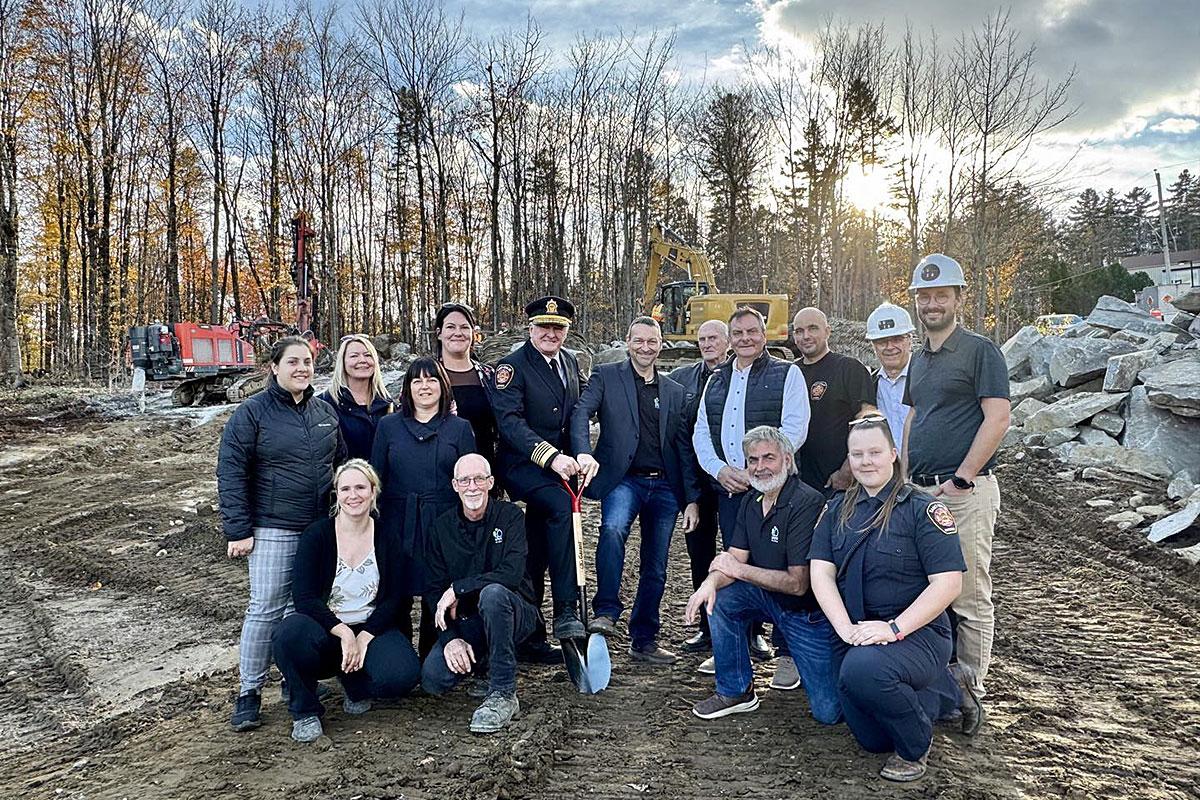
(347, 587)
(885, 563)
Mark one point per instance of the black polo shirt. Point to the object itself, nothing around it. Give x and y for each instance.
(944, 388)
(648, 456)
(784, 537)
(838, 386)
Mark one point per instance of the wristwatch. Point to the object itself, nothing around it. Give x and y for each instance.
(962, 483)
(896, 630)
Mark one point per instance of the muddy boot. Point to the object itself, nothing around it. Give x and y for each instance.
(567, 624)
(971, 706)
(901, 771)
(497, 711)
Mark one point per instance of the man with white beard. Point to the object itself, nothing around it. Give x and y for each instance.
(763, 577)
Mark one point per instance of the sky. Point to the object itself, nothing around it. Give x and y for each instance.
(1136, 62)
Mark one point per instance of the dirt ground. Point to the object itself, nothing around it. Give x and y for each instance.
(119, 616)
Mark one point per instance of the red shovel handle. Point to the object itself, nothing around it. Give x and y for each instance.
(576, 497)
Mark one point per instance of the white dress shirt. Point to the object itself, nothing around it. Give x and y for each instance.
(889, 397)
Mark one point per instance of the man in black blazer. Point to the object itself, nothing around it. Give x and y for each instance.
(642, 467)
(535, 391)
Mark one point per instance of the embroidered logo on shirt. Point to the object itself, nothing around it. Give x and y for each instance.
(774, 534)
(656, 404)
(817, 391)
(504, 375)
(941, 517)
(497, 535)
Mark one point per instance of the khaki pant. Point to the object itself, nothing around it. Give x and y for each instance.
(975, 515)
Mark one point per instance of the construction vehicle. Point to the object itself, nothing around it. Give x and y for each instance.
(682, 306)
(221, 363)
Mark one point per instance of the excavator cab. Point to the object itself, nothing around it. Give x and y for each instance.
(671, 311)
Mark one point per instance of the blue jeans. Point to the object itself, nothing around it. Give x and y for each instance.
(808, 634)
(653, 502)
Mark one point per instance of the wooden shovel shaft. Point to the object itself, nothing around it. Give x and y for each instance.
(577, 523)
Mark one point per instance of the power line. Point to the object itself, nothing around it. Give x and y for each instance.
(1070, 278)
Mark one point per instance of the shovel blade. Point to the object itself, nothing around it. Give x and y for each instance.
(574, 659)
(598, 663)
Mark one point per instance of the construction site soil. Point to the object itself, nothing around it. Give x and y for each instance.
(119, 618)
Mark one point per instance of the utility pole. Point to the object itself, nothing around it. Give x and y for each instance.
(1166, 248)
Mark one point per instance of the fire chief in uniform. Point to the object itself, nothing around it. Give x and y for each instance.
(535, 391)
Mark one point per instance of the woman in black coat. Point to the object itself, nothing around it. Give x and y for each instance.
(357, 394)
(454, 326)
(347, 586)
(414, 454)
(274, 473)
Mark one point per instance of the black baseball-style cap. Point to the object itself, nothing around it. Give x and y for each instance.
(550, 310)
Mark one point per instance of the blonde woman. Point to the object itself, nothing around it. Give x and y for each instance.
(347, 588)
(357, 394)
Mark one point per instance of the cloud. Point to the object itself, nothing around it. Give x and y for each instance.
(1129, 58)
(1181, 125)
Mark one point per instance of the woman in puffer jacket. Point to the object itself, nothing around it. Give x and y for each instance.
(274, 475)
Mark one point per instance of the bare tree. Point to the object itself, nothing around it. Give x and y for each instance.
(16, 84)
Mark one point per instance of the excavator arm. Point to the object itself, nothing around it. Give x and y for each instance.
(667, 246)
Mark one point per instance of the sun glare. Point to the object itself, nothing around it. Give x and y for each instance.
(868, 191)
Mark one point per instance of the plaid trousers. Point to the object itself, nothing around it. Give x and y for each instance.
(270, 601)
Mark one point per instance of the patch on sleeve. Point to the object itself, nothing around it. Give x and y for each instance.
(941, 517)
(504, 376)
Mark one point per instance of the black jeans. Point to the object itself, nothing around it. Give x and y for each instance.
(305, 653)
(702, 543)
(504, 619)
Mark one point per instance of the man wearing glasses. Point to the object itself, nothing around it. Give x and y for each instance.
(482, 595)
(535, 391)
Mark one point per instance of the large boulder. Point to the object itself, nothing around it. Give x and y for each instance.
(1121, 460)
(1133, 337)
(1072, 410)
(1042, 351)
(1122, 371)
(1039, 386)
(1189, 301)
(1116, 314)
(1026, 409)
(1110, 423)
(1090, 435)
(1152, 430)
(1016, 350)
(1175, 386)
(1081, 360)
(1175, 524)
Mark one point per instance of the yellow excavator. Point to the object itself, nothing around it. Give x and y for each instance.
(681, 307)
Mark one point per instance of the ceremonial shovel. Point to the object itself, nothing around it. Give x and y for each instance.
(587, 659)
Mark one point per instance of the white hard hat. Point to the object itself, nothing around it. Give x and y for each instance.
(936, 269)
(888, 320)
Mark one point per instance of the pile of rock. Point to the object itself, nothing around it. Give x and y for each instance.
(1117, 397)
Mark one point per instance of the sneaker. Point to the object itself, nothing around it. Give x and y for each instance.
(307, 729)
(247, 712)
(497, 711)
(567, 625)
(787, 677)
(973, 713)
(653, 655)
(901, 771)
(355, 707)
(708, 666)
(719, 705)
(700, 643)
(760, 649)
(603, 625)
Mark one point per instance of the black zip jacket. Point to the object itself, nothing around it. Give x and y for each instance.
(275, 464)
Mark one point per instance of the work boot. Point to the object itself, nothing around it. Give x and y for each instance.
(787, 677)
(700, 643)
(760, 648)
(602, 624)
(497, 711)
(307, 729)
(970, 704)
(719, 705)
(567, 624)
(901, 771)
(708, 666)
(653, 654)
(247, 712)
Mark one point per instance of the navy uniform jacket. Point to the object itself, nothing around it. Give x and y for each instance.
(612, 394)
(884, 574)
(533, 412)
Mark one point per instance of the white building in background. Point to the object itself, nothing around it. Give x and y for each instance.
(1183, 275)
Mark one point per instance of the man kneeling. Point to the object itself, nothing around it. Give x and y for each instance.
(484, 600)
(763, 577)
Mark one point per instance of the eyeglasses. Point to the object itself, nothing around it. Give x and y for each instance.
(877, 418)
(478, 480)
(350, 336)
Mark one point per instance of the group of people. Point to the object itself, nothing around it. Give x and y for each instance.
(855, 511)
